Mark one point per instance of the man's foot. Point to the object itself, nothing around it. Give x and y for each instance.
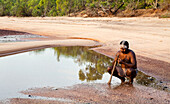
(129, 83)
(122, 80)
(122, 83)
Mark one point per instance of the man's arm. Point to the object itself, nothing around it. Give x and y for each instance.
(116, 57)
(132, 60)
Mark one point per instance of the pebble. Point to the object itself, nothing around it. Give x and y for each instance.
(151, 79)
(165, 88)
(151, 98)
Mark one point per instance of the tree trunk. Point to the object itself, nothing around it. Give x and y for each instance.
(156, 4)
(118, 8)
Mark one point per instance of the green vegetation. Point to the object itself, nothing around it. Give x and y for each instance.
(167, 15)
(65, 7)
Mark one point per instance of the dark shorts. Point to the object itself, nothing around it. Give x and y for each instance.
(121, 72)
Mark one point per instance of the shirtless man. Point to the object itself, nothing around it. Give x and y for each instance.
(127, 65)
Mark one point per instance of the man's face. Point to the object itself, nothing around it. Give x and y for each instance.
(123, 50)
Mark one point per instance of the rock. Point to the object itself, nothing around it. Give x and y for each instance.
(151, 79)
(151, 98)
(72, 15)
(85, 16)
(101, 13)
(165, 88)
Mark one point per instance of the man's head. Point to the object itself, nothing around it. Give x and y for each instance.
(124, 45)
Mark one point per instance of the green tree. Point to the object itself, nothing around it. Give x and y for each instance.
(65, 7)
(5, 7)
(33, 9)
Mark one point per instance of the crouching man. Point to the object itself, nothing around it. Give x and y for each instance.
(126, 63)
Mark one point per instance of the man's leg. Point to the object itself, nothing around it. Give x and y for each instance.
(131, 74)
(120, 71)
(115, 73)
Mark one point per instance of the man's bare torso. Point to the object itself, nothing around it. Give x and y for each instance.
(128, 57)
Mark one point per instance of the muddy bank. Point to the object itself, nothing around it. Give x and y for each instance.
(99, 94)
(12, 32)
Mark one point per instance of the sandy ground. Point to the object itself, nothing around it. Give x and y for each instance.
(148, 37)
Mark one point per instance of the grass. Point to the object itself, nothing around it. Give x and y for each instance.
(167, 15)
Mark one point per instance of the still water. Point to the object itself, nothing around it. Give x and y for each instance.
(56, 67)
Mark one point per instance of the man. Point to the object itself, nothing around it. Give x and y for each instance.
(127, 65)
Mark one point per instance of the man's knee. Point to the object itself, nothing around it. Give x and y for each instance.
(120, 71)
(109, 69)
(131, 73)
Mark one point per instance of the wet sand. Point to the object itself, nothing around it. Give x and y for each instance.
(148, 37)
(104, 94)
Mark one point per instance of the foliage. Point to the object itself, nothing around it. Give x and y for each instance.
(65, 7)
(167, 15)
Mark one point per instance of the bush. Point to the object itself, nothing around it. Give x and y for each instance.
(92, 5)
(167, 15)
(104, 3)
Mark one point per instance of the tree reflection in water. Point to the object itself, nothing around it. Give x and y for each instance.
(95, 64)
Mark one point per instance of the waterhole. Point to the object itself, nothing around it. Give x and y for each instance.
(57, 67)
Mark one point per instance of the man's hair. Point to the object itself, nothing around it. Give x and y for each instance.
(123, 42)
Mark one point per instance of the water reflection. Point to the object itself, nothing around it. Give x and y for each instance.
(97, 65)
(149, 81)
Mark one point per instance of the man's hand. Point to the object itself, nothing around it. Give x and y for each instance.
(120, 61)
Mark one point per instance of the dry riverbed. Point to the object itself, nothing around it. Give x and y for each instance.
(148, 37)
